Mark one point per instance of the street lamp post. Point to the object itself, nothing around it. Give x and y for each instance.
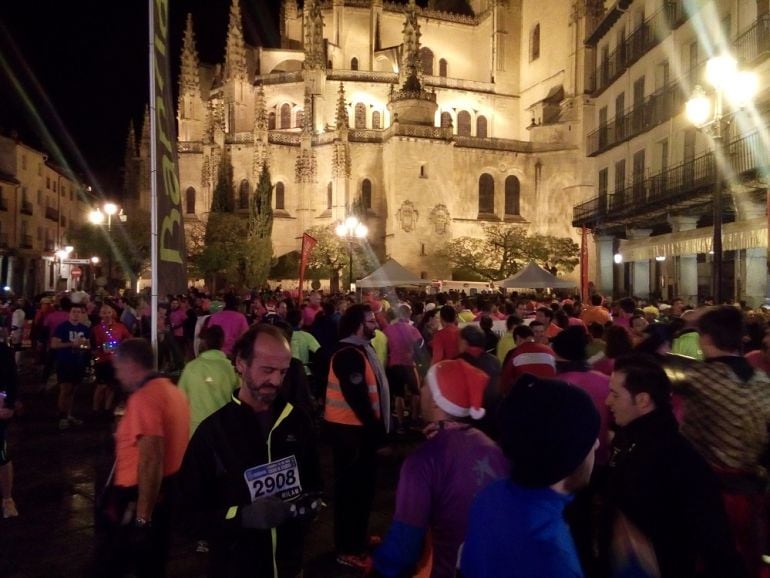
(737, 88)
(62, 254)
(351, 230)
(104, 214)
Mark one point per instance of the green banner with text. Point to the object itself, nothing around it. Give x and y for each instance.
(172, 271)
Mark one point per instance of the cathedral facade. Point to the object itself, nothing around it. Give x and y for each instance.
(434, 120)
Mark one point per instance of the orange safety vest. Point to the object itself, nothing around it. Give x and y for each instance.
(337, 409)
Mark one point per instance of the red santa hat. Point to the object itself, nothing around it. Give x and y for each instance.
(458, 388)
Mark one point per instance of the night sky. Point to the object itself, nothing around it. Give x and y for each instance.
(73, 73)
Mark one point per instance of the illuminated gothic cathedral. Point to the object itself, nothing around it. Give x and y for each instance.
(436, 120)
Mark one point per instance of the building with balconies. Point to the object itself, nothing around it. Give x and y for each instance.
(651, 212)
(39, 201)
(435, 120)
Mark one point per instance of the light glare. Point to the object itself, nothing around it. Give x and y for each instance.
(721, 71)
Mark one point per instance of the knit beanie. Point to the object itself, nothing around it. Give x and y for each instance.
(547, 429)
(570, 344)
(458, 388)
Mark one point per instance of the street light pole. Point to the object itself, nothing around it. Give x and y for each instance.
(738, 87)
(351, 230)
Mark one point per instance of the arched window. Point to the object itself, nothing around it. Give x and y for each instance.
(442, 68)
(300, 118)
(329, 195)
(464, 123)
(376, 119)
(286, 116)
(189, 197)
(271, 121)
(426, 55)
(243, 195)
(512, 196)
(481, 127)
(354, 63)
(486, 194)
(366, 194)
(280, 201)
(446, 120)
(534, 47)
(360, 115)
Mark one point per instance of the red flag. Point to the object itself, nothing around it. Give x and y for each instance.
(584, 264)
(308, 243)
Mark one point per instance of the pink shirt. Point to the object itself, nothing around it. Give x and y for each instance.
(177, 318)
(308, 314)
(234, 325)
(757, 360)
(597, 386)
(53, 320)
(402, 338)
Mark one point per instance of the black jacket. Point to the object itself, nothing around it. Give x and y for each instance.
(230, 441)
(666, 489)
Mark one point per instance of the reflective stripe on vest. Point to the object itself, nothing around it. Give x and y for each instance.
(337, 409)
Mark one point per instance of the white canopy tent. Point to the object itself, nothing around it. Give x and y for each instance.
(391, 274)
(535, 277)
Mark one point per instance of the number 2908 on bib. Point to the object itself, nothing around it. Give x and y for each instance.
(279, 478)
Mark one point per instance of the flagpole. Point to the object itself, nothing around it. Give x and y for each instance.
(153, 191)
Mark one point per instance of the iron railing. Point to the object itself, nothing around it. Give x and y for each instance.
(26, 241)
(686, 180)
(754, 43)
(51, 213)
(26, 207)
(3, 204)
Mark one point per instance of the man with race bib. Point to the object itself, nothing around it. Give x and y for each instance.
(251, 474)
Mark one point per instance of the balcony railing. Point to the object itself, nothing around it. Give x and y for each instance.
(26, 207)
(3, 204)
(679, 183)
(648, 35)
(26, 241)
(754, 43)
(657, 108)
(50, 245)
(52, 214)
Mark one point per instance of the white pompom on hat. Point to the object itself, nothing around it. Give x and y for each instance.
(458, 388)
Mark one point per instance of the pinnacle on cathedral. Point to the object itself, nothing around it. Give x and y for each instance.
(260, 111)
(189, 82)
(342, 111)
(411, 75)
(314, 35)
(235, 55)
(307, 118)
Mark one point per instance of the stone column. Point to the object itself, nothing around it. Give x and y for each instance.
(640, 281)
(687, 280)
(604, 263)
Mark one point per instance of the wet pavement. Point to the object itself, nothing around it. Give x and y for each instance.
(57, 474)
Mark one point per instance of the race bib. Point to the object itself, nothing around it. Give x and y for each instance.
(279, 478)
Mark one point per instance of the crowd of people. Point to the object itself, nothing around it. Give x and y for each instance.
(561, 438)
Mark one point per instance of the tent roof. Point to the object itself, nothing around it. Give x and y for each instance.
(535, 277)
(391, 274)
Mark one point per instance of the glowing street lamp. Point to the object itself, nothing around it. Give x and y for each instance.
(351, 230)
(706, 112)
(99, 215)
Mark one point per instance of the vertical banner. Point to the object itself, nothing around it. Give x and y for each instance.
(308, 243)
(584, 265)
(170, 252)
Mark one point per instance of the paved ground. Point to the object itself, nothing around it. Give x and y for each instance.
(56, 474)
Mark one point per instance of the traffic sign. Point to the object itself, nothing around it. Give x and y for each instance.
(76, 261)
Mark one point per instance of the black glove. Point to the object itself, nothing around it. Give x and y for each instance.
(307, 506)
(265, 513)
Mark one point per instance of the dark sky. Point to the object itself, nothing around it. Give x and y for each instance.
(73, 73)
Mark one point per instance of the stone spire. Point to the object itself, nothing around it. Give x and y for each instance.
(189, 81)
(261, 149)
(343, 122)
(260, 111)
(235, 54)
(144, 144)
(411, 68)
(130, 142)
(314, 35)
(307, 117)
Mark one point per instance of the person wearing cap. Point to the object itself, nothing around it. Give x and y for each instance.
(659, 483)
(527, 357)
(516, 526)
(232, 322)
(439, 480)
(572, 366)
(472, 340)
(356, 420)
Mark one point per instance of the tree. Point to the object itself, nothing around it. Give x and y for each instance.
(223, 251)
(505, 249)
(223, 196)
(330, 256)
(256, 265)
